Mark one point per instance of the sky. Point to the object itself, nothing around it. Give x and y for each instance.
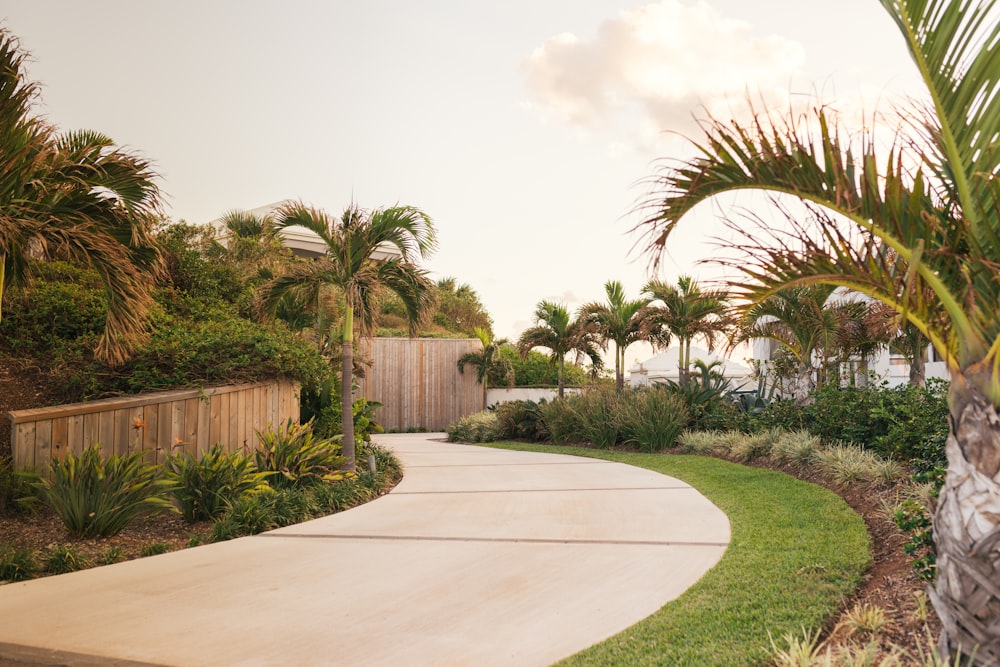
(527, 129)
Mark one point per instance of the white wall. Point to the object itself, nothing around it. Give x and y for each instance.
(496, 395)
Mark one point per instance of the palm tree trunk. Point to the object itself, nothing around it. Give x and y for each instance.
(682, 369)
(967, 528)
(3, 277)
(561, 383)
(346, 390)
(619, 368)
(916, 360)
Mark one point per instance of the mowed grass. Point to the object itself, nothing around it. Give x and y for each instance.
(796, 551)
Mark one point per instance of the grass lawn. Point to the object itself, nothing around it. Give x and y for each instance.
(797, 549)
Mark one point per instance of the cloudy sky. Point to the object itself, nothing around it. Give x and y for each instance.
(524, 128)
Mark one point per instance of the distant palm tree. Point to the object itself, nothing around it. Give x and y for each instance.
(252, 243)
(620, 321)
(917, 227)
(75, 196)
(685, 311)
(562, 335)
(488, 362)
(366, 252)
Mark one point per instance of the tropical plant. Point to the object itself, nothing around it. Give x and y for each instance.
(618, 321)
(651, 419)
(75, 195)
(97, 497)
(914, 225)
(477, 427)
(366, 253)
(459, 309)
(521, 420)
(205, 485)
(251, 243)
(556, 330)
(488, 362)
(684, 311)
(295, 458)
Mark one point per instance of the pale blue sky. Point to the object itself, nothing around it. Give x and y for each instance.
(523, 146)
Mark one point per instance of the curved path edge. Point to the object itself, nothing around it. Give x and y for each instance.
(479, 556)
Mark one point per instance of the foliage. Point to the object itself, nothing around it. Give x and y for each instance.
(96, 496)
(154, 549)
(258, 512)
(619, 321)
(75, 195)
(459, 309)
(17, 564)
(295, 457)
(562, 420)
(651, 419)
(192, 267)
(536, 369)
(111, 556)
(556, 330)
(365, 425)
(599, 420)
(16, 488)
(913, 518)
(477, 427)
(521, 420)
(63, 558)
(204, 486)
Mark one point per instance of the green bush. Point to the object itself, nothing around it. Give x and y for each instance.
(63, 558)
(17, 564)
(599, 422)
(521, 420)
(537, 370)
(562, 420)
(253, 514)
(16, 489)
(296, 458)
(477, 427)
(651, 419)
(97, 497)
(204, 486)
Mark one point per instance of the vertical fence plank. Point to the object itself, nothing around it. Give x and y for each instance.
(204, 442)
(43, 443)
(190, 430)
(91, 429)
(60, 427)
(106, 432)
(122, 430)
(74, 433)
(25, 449)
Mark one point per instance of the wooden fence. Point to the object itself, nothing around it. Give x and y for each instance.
(418, 383)
(156, 423)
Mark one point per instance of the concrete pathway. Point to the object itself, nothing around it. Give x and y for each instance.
(479, 557)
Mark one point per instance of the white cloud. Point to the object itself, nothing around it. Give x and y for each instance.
(656, 65)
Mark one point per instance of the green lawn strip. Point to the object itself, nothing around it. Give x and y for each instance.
(796, 550)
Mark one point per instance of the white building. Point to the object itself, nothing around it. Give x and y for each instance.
(663, 367)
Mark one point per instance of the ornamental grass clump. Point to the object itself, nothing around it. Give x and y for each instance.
(846, 464)
(697, 442)
(204, 486)
(477, 427)
(97, 497)
(562, 419)
(599, 422)
(797, 448)
(297, 458)
(651, 419)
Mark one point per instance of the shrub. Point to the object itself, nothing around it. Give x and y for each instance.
(651, 419)
(154, 549)
(295, 457)
(477, 427)
(253, 514)
(16, 489)
(63, 558)
(520, 420)
(755, 445)
(697, 442)
(386, 463)
(97, 497)
(562, 420)
(111, 555)
(598, 411)
(17, 564)
(204, 486)
(798, 448)
(846, 464)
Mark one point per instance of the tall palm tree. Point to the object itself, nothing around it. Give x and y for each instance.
(685, 311)
(917, 227)
(75, 196)
(619, 320)
(366, 252)
(488, 362)
(561, 334)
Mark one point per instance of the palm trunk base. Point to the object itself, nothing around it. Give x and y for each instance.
(967, 531)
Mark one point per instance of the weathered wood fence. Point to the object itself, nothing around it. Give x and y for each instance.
(418, 383)
(155, 423)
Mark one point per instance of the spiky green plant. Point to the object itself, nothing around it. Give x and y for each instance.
(64, 558)
(205, 485)
(96, 496)
(294, 457)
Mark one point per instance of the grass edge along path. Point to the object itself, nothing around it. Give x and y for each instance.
(797, 550)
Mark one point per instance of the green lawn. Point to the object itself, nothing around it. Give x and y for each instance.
(796, 551)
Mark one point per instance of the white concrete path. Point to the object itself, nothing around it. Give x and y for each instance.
(479, 557)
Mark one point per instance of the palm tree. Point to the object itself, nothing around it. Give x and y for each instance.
(75, 196)
(252, 244)
(366, 252)
(619, 321)
(685, 311)
(917, 228)
(560, 333)
(487, 362)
